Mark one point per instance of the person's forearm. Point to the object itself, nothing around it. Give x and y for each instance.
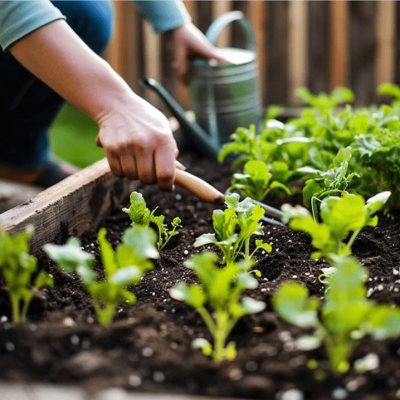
(57, 56)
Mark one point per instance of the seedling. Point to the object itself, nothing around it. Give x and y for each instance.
(141, 215)
(346, 316)
(234, 228)
(17, 267)
(255, 181)
(340, 216)
(122, 268)
(220, 289)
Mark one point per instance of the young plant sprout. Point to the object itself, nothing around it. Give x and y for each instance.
(234, 228)
(123, 267)
(340, 216)
(17, 267)
(346, 316)
(255, 181)
(142, 216)
(220, 288)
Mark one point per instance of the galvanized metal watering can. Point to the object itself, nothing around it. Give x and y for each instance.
(223, 96)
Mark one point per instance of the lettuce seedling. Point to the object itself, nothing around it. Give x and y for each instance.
(255, 181)
(346, 316)
(234, 228)
(122, 268)
(141, 215)
(340, 216)
(17, 267)
(220, 289)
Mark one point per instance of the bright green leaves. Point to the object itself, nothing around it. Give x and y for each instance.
(123, 267)
(340, 216)
(142, 216)
(234, 228)
(324, 101)
(345, 317)
(254, 182)
(17, 267)
(220, 289)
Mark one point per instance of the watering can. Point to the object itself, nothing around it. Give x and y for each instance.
(223, 96)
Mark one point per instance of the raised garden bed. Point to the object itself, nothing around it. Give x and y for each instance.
(148, 346)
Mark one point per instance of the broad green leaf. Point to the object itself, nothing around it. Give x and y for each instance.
(142, 241)
(107, 253)
(43, 280)
(191, 295)
(230, 351)
(308, 342)
(251, 306)
(383, 322)
(138, 212)
(265, 246)
(126, 276)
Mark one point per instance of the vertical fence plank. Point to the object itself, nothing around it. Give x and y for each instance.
(277, 68)
(385, 42)
(318, 77)
(258, 17)
(115, 49)
(363, 50)
(298, 47)
(220, 7)
(338, 43)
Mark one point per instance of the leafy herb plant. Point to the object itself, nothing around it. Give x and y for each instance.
(141, 215)
(220, 289)
(346, 316)
(17, 267)
(255, 181)
(122, 268)
(234, 228)
(340, 216)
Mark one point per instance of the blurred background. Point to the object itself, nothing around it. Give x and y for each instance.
(318, 44)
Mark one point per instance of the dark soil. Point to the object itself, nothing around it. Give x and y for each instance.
(148, 346)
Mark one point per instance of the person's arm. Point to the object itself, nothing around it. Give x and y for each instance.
(136, 137)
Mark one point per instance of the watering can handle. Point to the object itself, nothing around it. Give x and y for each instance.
(222, 21)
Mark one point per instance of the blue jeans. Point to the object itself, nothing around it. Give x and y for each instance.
(28, 106)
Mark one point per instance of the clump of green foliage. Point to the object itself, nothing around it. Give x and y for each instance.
(220, 289)
(141, 215)
(255, 181)
(234, 228)
(340, 216)
(17, 267)
(122, 268)
(345, 317)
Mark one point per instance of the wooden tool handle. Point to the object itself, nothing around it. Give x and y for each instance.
(199, 188)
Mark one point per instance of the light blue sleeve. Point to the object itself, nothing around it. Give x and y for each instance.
(164, 15)
(19, 18)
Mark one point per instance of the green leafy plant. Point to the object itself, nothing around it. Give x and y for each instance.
(17, 267)
(255, 181)
(122, 268)
(141, 215)
(220, 289)
(323, 101)
(234, 228)
(346, 316)
(340, 216)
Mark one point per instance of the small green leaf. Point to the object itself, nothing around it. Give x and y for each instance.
(383, 322)
(204, 345)
(230, 351)
(251, 306)
(126, 276)
(191, 295)
(43, 280)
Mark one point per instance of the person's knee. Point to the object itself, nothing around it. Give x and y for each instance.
(93, 21)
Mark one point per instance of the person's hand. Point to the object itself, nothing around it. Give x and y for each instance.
(139, 144)
(190, 42)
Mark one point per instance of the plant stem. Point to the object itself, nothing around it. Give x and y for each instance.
(207, 320)
(220, 337)
(15, 308)
(352, 239)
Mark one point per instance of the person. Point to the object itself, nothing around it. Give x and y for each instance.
(50, 54)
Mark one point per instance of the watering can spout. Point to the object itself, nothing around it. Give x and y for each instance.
(206, 145)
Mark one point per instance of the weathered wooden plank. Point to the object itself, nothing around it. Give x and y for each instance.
(386, 28)
(221, 7)
(298, 47)
(13, 194)
(74, 205)
(318, 56)
(237, 37)
(338, 48)
(277, 68)
(53, 392)
(115, 51)
(363, 50)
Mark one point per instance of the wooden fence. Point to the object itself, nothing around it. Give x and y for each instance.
(318, 44)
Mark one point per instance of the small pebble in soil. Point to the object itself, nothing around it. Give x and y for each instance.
(135, 380)
(178, 197)
(3, 319)
(395, 271)
(380, 287)
(74, 339)
(85, 344)
(90, 320)
(285, 336)
(352, 386)
(297, 361)
(289, 346)
(294, 276)
(9, 346)
(158, 376)
(185, 252)
(291, 394)
(68, 322)
(340, 393)
(147, 352)
(251, 366)
(235, 374)
(370, 292)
